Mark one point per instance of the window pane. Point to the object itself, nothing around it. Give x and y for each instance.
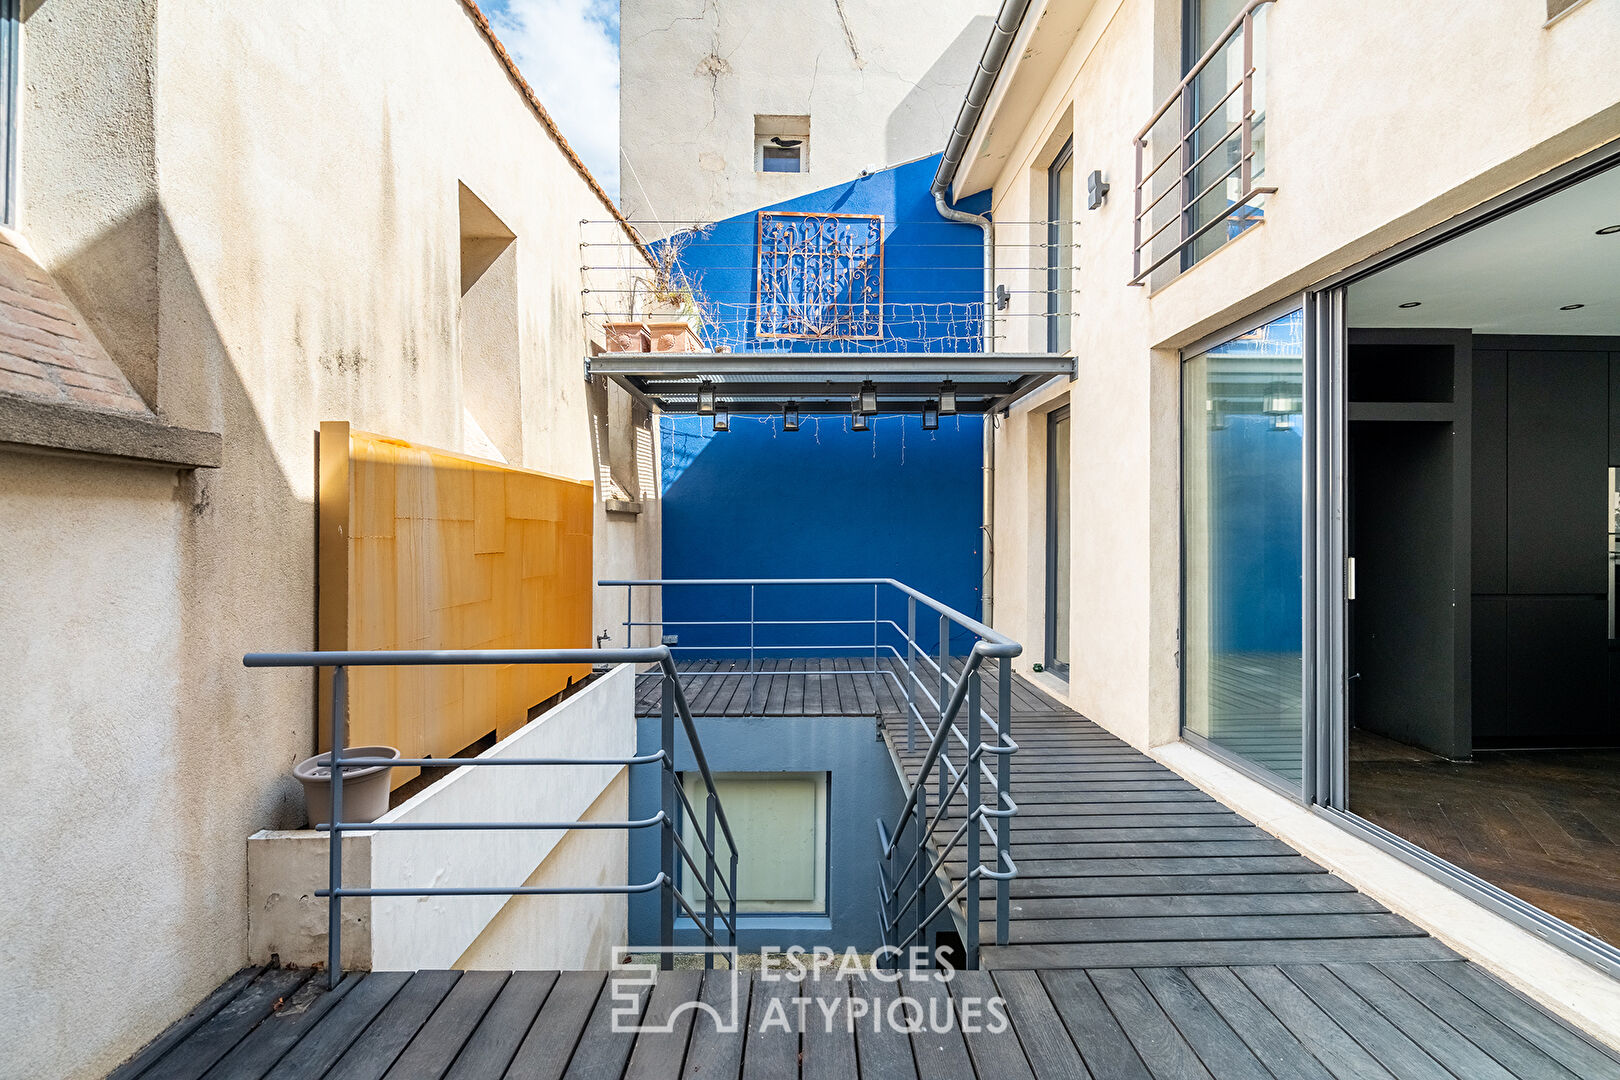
(779, 820)
(780, 159)
(1243, 521)
(1060, 260)
(1057, 607)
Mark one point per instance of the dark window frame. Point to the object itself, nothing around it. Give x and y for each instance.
(1064, 156)
(1057, 667)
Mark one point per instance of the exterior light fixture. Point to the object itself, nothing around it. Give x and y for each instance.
(1571, 307)
(790, 416)
(857, 418)
(1216, 415)
(722, 417)
(1412, 303)
(930, 415)
(1096, 189)
(1609, 230)
(705, 398)
(947, 398)
(868, 397)
(1281, 403)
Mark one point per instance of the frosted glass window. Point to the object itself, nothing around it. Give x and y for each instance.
(780, 821)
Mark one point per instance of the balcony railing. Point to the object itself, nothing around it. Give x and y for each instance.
(1194, 151)
(957, 759)
(666, 821)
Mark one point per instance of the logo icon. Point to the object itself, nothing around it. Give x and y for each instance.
(635, 973)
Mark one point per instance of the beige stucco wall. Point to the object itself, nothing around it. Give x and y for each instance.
(880, 80)
(256, 205)
(1383, 118)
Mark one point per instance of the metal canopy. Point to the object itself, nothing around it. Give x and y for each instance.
(825, 382)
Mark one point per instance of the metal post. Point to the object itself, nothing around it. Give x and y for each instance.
(874, 630)
(708, 885)
(970, 925)
(666, 903)
(334, 839)
(1188, 186)
(1246, 164)
(629, 613)
(921, 896)
(751, 676)
(944, 696)
(1003, 776)
(911, 673)
(733, 898)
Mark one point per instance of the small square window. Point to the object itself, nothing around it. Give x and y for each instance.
(781, 144)
(780, 821)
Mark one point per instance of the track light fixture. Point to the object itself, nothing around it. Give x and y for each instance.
(856, 417)
(868, 397)
(790, 416)
(722, 417)
(930, 415)
(947, 398)
(705, 398)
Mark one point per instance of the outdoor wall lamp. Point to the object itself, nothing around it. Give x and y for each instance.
(790, 416)
(868, 397)
(947, 398)
(1096, 189)
(705, 398)
(857, 418)
(930, 415)
(722, 417)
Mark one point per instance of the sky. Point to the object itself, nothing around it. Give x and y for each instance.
(568, 50)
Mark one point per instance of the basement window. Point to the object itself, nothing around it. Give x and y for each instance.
(781, 144)
(780, 821)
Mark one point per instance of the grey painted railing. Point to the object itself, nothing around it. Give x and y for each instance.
(667, 820)
(954, 762)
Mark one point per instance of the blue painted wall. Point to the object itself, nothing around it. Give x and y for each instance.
(826, 501)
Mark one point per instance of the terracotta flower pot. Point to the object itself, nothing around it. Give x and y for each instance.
(365, 787)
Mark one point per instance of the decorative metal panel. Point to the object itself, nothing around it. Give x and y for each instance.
(820, 276)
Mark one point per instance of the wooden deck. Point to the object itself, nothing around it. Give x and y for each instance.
(1156, 935)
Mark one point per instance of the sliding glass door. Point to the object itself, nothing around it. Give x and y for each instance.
(1243, 473)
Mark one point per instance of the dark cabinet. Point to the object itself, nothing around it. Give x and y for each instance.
(1558, 670)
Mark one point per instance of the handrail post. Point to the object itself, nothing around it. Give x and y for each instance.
(874, 630)
(751, 676)
(970, 927)
(921, 892)
(629, 614)
(911, 673)
(733, 899)
(708, 885)
(666, 903)
(1246, 147)
(1003, 777)
(944, 696)
(334, 838)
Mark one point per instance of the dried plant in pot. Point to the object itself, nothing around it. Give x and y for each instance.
(365, 787)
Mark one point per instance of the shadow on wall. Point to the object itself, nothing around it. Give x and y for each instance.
(934, 99)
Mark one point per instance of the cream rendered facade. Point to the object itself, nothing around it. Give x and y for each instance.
(1382, 120)
(255, 206)
(879, 80)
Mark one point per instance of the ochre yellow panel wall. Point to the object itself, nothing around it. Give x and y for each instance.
(425, 549)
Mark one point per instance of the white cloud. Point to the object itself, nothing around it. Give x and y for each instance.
(568, 50)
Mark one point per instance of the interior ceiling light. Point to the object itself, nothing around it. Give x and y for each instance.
(868, 397)
(930, 415)
(1571, 307)
(1609, 230)
(1413, 303)
(1216, 415)
(857, 418)
(790, 416)
(1280, 400)
(705, 398)
(722, 417)
(947, 398)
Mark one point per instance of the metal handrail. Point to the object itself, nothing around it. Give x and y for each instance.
(1243, 127)
(666, 820)
(958, 700)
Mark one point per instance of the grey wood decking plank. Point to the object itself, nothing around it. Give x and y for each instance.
(770, 1050)
(1037, 847)
(1041, 1030)
(1107, 1050)
(1036, 912)
(148, 1055)
(374, 1052)
(1343, 1056)
(713, 1054)
(1218, 818)
(495, 1041)
(605, 1044)
(1220, 953)
(1161, 1046)
(1505, 1045)
(1266, 927)
(321, 1046)
(1172, 884)
(436, 1046)
(829, 1039)
(1399, 1054)
(1437, 1038)
(1147, 867)
(1561, 1042)
(555, 1033)
(194, 1055)
(992, 1041)
(1145, 834)
(659, 1055)
(279, 1032)
(882, 1050)
(1223, 1053)
(1261, 1031)
(936, 1043)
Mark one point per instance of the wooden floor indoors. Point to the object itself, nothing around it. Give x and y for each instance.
(1156, 935)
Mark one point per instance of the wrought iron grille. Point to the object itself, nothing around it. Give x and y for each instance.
(820, 276)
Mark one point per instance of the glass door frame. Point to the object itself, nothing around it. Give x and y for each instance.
(1051, 663)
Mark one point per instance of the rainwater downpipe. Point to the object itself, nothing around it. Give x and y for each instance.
(995, 55)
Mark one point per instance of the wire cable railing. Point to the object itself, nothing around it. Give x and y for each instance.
(969, 773)
(674, 852)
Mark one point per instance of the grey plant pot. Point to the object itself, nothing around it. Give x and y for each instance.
(365, 788)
